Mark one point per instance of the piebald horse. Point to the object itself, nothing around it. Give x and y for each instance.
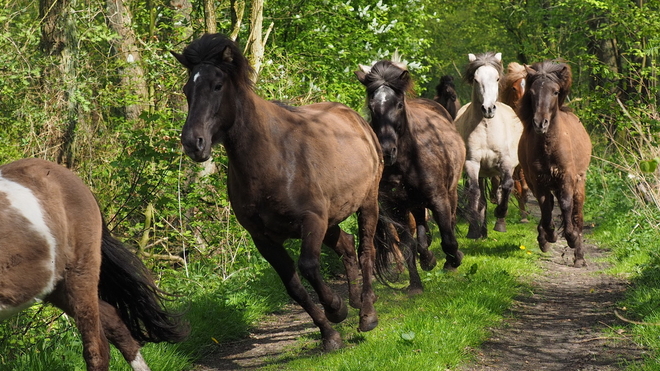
(293, 172)
(491, 131)
(55, 247)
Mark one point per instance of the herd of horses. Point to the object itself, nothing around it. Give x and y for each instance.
(297, 172)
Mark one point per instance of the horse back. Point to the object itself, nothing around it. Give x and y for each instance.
(322, 158)
(45, 213)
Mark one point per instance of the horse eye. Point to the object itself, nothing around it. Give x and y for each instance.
(217, 87)
(399, 105)
(556, 92)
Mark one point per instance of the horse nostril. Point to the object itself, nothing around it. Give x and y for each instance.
(200, 144)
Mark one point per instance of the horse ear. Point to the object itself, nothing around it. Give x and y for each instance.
(227, 55)
(181, 58)
(361, 76)
(498, 57)
(472, 57)
(365, 69)
(566, 79)
(530, 71)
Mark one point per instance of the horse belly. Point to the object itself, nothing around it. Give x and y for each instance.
(27, 249)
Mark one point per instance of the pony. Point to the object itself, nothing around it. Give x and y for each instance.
(293, 172)
(491, 131)
(512, 87)
(55, 247)
(424, 156)
(446, 95)
(554, 151)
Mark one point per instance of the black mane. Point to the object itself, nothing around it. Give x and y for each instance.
(388, 73)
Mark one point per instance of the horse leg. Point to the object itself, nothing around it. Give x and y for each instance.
(119, 336)
(78, 297)
(344, 245)
(407, 241)
(495, 191)
(503, 207)
(546, 228)
(426, 258)
(570, 204)
(445, 217)
(279, 259)
(475, 199)
(314, 229)
(521, 193)
(367, 221)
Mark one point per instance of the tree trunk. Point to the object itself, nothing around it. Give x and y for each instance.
(125, 46)
(209, 16)
(59, 39)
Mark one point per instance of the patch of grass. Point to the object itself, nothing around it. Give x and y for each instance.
(440, 327)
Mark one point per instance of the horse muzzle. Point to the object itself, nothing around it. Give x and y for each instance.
(196, 147)
(541, 126)
(488, 112)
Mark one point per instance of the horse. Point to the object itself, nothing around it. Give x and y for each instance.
(424, 156)
(293, 172)
(554, 151)
(55, 247)
(491, 131)
(512, 87)
(446, 95)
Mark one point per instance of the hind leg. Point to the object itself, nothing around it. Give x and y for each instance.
(426, 258)
(367, 221)
(521, 193)
(445, 216)
(344, 245)
(279, 259)
(570, 204)
(476, 212)
(503, 206)
(119, 336)
(78, 297)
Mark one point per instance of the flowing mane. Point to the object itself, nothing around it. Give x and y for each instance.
(211, 49)
(553, 71)
(388, 73)
(480, 60)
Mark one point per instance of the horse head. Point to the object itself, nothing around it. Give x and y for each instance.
(549, 84)
(387, 83)
(217, 73)
(483, 73)
(513, 84)
(446, 88)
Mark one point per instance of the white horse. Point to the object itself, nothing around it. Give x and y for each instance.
(491, 131)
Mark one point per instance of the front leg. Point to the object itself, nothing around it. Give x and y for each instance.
(476, 211)
(546, 227)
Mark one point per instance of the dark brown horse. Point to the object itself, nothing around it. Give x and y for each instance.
(55, 247)
(446, 95)
(293, 172)
(424, 156)
(554, 152)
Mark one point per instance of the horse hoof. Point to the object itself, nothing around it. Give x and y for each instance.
(500, 225)
(545, 247)
(552, 237)
(427, 261)
(332, 343)
(368, 322)
(474, 233)
(336, 316)
(524, 220)
(414, 290)
(579, 263)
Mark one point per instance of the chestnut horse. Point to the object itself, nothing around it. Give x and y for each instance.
(491, 131)
(424, 156)
(446, 95)
(293, 172)
(512, 88)
(554, 152)
(55, 247)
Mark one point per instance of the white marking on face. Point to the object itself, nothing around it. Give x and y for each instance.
(27, 204)
(195, 77)
(138, 364)
(487, 78)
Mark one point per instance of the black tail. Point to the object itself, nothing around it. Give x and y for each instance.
(387, 241)
(127, 285)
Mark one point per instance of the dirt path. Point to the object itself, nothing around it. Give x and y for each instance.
(558, 326)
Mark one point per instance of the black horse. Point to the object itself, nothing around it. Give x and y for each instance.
(446, 95)
(424, 156)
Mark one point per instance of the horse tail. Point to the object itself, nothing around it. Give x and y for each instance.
(126, 284)
(390, 260)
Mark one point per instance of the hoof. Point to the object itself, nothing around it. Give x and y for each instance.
(336, 316)
(500, 225)
(368, 322)
(579, 263)
(474, 233)
(332, 343)
(545, 247)
(524, 220)
(552, 237)
(427, 261)
(414, 290)
(453, 262)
